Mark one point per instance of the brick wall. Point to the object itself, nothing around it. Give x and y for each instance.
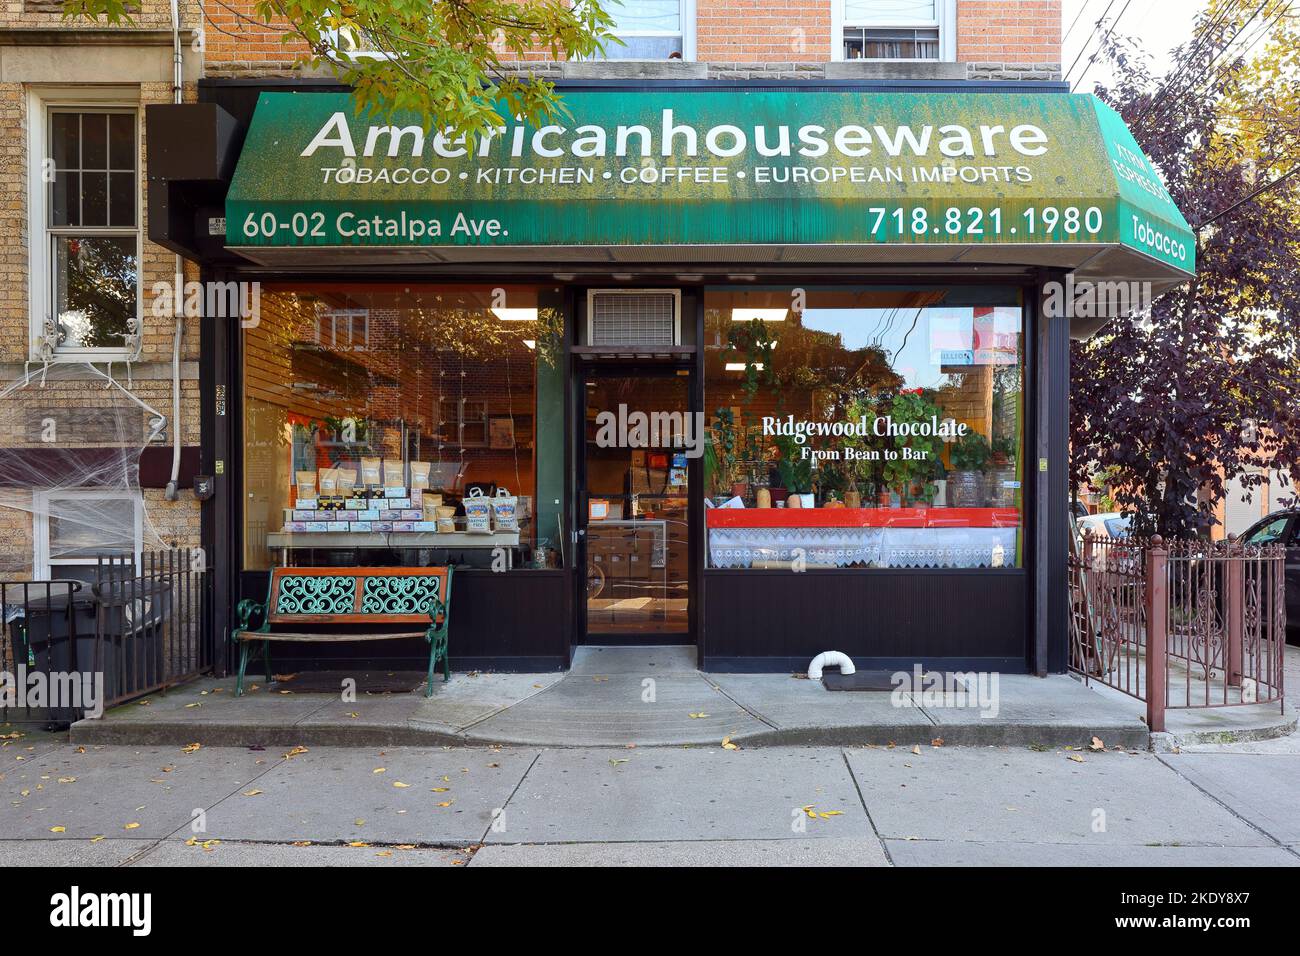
(737, 38)
(997, 31)
(762, 31)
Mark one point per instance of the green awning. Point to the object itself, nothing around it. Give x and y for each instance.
(715, 175)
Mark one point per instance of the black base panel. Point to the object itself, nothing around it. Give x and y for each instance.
(860, 680)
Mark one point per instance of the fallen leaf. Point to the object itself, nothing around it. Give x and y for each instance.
(1075, 757)
(441, 789)
(296, 751)
(400, 785)
(251, 793)
(195, 704)
(384, 853)
(358, 843)
(937, 742)
(917, 749)
(446, 803)
(67, 780)
(697, 716)
(615, 761)
(96, 839)
(727, 744)
(131, 826)
(380, 770)
(827, 814)
(58, 829)
(191, 748)
(1096, 744)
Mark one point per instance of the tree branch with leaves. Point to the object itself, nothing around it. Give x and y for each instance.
(444, 60)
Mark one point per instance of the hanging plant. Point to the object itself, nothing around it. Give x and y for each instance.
(757, 342)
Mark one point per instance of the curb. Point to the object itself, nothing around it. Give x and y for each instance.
(99, 733)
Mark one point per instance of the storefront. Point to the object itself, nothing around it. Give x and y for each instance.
(767, 371)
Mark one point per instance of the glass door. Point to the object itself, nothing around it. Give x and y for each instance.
(634, 502)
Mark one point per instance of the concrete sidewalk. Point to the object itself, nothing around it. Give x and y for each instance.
(694, 806)
(615, 697)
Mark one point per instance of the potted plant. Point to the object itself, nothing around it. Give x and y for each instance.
(911, 474)
(796, 472)
(723, 447)
(969, 457)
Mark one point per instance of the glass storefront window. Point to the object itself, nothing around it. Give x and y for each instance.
(399, 425)
(864, 427)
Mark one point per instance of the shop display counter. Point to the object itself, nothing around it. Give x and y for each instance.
(864, 537)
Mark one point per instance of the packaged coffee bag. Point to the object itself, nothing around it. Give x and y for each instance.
(420, 474)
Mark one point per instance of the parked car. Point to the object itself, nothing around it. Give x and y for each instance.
(1111, 524)
(1283, 527)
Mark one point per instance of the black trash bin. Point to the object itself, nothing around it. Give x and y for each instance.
(53, 631)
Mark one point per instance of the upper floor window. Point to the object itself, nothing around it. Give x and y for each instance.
(652, 29)
(85, 253)
(895, 29)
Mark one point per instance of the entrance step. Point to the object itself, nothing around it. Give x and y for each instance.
(644, 660)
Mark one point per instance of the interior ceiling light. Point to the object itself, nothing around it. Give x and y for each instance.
(516, 315)
(746, 313)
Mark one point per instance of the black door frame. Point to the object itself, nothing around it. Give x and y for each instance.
(582, 371)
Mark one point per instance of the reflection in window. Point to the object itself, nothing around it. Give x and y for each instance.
(92, 228)
(891, 29)
(648, 29)
(372, 414)
(864, 427)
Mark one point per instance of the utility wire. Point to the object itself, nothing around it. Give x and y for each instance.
(1202, 37)
(1206, 74)
(1082, 7)
(1083, 49)
(1261, 33)
(1102, 45)
(1247, 198)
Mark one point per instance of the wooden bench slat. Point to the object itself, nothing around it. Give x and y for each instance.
(319, 636)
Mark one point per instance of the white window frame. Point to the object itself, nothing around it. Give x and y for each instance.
(41, 526)
(947, 24)
(686, 14)
(349, 317)
(41, 102)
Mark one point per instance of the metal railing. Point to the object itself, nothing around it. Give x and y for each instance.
(129, 632)
(154, 625)
(1189, 624)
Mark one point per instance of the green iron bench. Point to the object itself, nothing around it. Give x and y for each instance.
(339, 597)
